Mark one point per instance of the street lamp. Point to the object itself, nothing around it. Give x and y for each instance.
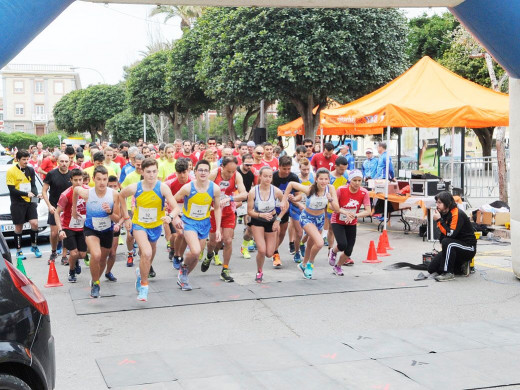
(93, 69)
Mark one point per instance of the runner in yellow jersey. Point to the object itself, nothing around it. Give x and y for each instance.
(146, 224)
(198, 195)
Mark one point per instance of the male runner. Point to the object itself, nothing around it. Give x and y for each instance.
(325, 159)
(21, 182)
(249, 178)
(130, 167)
(114, 185)
(103, 208)
(146, 224)
(55, 183)
(229, 182)
(268, 156)
(98, 160)
(198, 197)
(71, 230)
(259, 162)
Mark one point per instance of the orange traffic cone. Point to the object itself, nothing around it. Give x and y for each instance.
(372, 255)
(52, 279)
(381, 250)
(385, 240)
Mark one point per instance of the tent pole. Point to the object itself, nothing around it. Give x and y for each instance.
(321, 138)
(452, 156)
(386, 173)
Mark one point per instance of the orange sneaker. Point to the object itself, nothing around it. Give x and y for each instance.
(277, 263)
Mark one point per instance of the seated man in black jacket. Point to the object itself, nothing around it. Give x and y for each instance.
(458, 241)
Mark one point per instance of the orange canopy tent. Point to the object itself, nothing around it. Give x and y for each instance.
(426, 95)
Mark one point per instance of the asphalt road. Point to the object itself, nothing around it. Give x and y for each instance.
(492, 293)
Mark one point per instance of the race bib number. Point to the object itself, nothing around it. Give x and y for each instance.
(242, 210)
(199, 211)
(147, 215)
(25, 187)
(101, 223)
(76, 223)
(319, 204)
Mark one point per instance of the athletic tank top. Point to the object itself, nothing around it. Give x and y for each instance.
(227, 187)
(97, 218)
(197, 204)
(264, 206)
(315, 202)
(149, 206)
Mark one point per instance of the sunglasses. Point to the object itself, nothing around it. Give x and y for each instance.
(308, 146)
(260, 153)
(248, 165)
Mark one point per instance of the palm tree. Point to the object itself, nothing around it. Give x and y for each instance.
(187, 13)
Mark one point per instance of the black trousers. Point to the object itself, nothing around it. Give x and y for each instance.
(345, 237)
(454, 253)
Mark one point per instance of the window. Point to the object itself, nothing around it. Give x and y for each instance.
(19, 127)
(18, 109)
(39, 109)
(58, 87)
(38, 86)
(18, 86)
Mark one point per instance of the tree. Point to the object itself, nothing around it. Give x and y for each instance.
(430, 36)
(188, 14)
(126, 126)
(301, 55)
(96, 105)
(64, 112)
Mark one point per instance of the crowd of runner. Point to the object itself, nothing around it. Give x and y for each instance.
(194, 194)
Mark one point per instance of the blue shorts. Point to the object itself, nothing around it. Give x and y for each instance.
(153, 234)
(294, 212)
(329, 215)
(317, 220)
(201, 227)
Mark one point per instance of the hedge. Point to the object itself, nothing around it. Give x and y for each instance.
(23, 140)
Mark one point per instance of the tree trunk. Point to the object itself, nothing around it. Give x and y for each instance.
(246, 133)
(502, 164)
(191, 127)
(176, 122)
(485, 137)
(230, 116)
(165, 133)
(310, 120)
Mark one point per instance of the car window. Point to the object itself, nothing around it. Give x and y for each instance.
(3, 184)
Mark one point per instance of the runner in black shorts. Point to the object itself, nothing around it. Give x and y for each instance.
(70, 229)
(114, 184)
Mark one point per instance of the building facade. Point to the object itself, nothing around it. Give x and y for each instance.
(30, 93)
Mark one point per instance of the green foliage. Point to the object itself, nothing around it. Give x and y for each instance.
(22, 140)
(51, 140)
(272, 126)
(65, 109)
(127, 126)
(287, 110)
(430, 36)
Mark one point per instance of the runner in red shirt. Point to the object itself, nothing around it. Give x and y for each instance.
(350, 199)
(259, 162)
(325, 159)
(269, 157)
(177, 244)
(70, 230)
(48, 164)
(229, 182)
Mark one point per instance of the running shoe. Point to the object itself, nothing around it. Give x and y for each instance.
(87, 260)
(152, 273)
(52, 258)
(301, 267)
(259, 277)
(171, 255)
(177, 261)
(36, 251)
(297, 257)
(292, 251)
(277, 263)
(302, 249)
(252, 246)
(308, 271)
(94, 291)
(225, 276)
(445, 277)
(110, 276)
(245, 253)
(240, 220)
(130, 260)
(64, 260)
(20, 254)
(205, 264)
(332, 258)
(201, 255)
(59, 248)
(349, 262)
(72, 277)
(216, 259)
(138, 279)
(143, 294)
(337, 270)
(77, 268)
(182, 279)
(325, 241)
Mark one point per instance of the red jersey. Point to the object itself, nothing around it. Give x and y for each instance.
(273, 163)
(120, 160)
(228, 188)
(236, 153)
(350, 201)
(87, 164)
(74, 166)
(319, 161)
(256, 167)
(47, 165)
(65, 203)
(175, 185)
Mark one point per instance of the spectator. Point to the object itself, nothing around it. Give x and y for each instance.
(381, 164)
(369, 165)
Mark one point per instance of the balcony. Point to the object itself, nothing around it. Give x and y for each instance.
(40, 118)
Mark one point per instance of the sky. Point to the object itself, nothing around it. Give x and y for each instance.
(108, 37)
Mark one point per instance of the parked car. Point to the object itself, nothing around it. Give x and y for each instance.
(27, 357)
(6, 222)
(6, 159)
